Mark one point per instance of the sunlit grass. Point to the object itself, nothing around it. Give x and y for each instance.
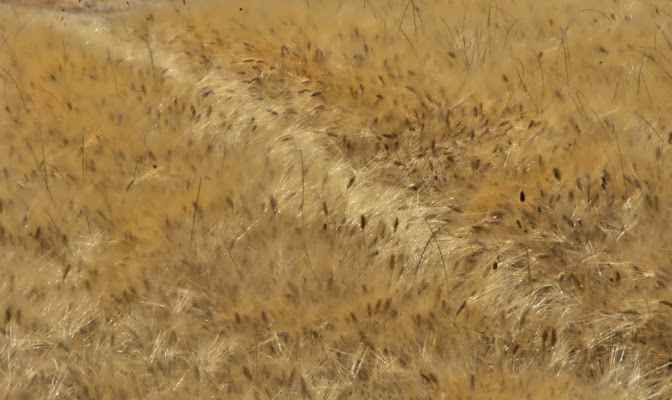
(377, 199)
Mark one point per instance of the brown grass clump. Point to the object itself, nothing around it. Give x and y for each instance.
(330, 200)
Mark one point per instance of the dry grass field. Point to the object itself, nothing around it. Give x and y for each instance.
(380, 199)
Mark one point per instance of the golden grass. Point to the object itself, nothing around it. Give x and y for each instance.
(352, 199)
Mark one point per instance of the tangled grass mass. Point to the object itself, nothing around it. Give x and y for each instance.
(377, 199)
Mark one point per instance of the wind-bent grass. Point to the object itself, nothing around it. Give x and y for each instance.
(316, 199)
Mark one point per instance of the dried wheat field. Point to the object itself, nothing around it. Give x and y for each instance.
(380, 199)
